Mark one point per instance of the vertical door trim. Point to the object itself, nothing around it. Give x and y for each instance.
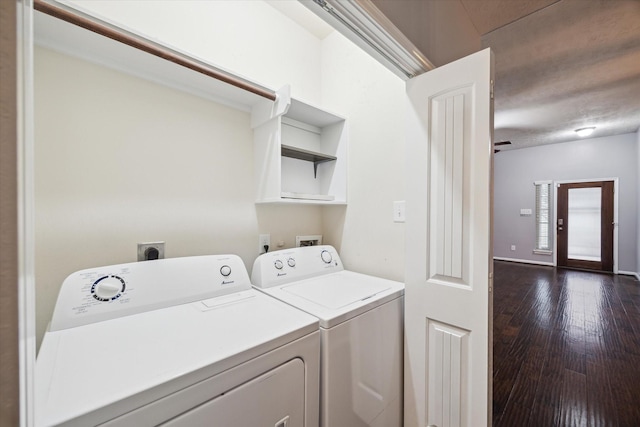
(25, 210)
(556, 183)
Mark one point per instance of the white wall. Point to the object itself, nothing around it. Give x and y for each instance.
(121, 160)
(371, 97)
(516, 171)
(248, 37)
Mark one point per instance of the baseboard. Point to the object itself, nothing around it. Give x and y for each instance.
(630, 273)
(528, 261)
(524, 261)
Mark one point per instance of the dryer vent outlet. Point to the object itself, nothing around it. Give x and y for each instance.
(150, 251)
(314, 240)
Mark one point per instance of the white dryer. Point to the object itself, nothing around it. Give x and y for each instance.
(176, 342)
(361, 328)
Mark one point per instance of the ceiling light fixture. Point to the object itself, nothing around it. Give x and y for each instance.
(585, 131)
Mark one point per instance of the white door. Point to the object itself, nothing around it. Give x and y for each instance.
(448, 296)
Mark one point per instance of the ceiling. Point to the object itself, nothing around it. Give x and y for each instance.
(560, 64)
(489, 15)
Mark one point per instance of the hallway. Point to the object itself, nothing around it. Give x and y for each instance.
(566, 347)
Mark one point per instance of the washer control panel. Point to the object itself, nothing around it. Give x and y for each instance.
(288, 265)
(109, 292)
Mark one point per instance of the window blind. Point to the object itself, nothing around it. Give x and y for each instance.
(543, 196)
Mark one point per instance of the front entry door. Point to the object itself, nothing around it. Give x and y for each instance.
(585, 225)
(448, 362)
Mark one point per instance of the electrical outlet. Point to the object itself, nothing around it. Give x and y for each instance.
(513, 247)
(150, 251)
(264, 240)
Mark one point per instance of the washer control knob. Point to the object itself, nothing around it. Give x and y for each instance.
(291, 262)
(278, 264)
(108, 288)
(225, 270)
(326, 256)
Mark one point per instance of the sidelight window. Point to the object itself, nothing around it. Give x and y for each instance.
(543, 202)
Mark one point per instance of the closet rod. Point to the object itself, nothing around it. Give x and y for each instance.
(144, 45)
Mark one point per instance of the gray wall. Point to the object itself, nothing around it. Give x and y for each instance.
(516, 171)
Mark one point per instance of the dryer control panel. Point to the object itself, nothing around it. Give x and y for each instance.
(103, 293)
(288, 265)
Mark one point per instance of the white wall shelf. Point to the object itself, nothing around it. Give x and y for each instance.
(306, 155)
(300, 153)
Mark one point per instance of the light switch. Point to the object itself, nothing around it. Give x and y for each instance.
(398, 211)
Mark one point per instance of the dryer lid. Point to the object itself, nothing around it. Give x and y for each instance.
(91, 374)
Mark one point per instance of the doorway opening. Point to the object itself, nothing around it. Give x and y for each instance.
(585, 225)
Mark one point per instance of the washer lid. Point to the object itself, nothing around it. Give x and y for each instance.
(337, 297)
(338, 292)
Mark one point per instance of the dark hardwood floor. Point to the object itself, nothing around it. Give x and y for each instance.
(566, 348)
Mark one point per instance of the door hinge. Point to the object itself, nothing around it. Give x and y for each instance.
(492, 84)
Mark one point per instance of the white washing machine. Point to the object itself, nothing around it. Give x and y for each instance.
(176, 342)
(361, 329)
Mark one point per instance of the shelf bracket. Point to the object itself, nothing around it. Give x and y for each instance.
(315, 166)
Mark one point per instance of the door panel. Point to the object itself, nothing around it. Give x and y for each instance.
(448, 352)
(448, 230)
(570, 252)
